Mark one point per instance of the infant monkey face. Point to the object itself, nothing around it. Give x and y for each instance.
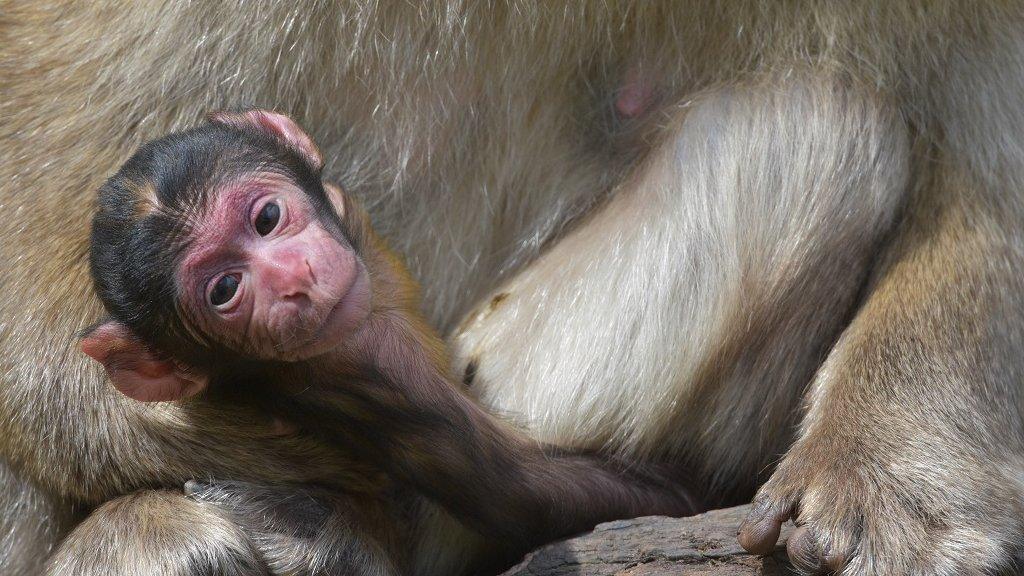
(268, 276)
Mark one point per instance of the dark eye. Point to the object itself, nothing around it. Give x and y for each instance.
(224, 290)
(267, 219)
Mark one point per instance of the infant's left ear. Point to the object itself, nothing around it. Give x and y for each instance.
(277, 125)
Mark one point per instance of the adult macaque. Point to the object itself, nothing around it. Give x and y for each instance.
(226, 262)
(782, 242)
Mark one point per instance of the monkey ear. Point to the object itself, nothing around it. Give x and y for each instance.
(336, 198)
(275, 124)
(135, 370)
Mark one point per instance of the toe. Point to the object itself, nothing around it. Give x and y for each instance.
(760, 531)
(805, 552)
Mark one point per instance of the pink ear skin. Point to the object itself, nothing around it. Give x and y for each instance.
(277, 125)
(135, 370)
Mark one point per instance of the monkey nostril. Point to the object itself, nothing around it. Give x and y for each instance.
(296, 297)
(312, 275)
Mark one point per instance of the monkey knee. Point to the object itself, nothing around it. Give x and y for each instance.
(156, 532)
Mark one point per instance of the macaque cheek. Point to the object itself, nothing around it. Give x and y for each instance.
(230, 331)
(235, 331)
(344, 286)
(334, 264)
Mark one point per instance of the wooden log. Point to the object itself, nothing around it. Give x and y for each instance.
(657, 546)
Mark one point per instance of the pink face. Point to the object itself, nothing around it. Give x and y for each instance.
(265, 278)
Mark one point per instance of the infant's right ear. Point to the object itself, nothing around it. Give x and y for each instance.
(337, 199)
(135, 370)
(276, 125)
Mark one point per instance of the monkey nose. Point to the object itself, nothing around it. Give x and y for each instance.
(291, 277)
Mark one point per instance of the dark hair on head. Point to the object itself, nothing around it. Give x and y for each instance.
(142, 224)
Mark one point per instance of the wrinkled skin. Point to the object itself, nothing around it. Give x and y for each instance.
(294, 295)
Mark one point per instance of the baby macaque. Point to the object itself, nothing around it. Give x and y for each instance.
(227, 265)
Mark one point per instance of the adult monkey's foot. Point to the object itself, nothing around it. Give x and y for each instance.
(901, 516)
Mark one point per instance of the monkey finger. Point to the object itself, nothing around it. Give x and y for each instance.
(760, 530)
(805, 552)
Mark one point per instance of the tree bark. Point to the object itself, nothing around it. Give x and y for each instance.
(657, 546)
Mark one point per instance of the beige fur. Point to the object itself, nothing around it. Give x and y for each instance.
(157, 532)
(698, 261)
(772, 197)
(31, 523)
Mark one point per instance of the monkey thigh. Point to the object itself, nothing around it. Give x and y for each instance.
(685, 317)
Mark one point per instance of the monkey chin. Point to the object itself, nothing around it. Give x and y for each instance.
(343, 321)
